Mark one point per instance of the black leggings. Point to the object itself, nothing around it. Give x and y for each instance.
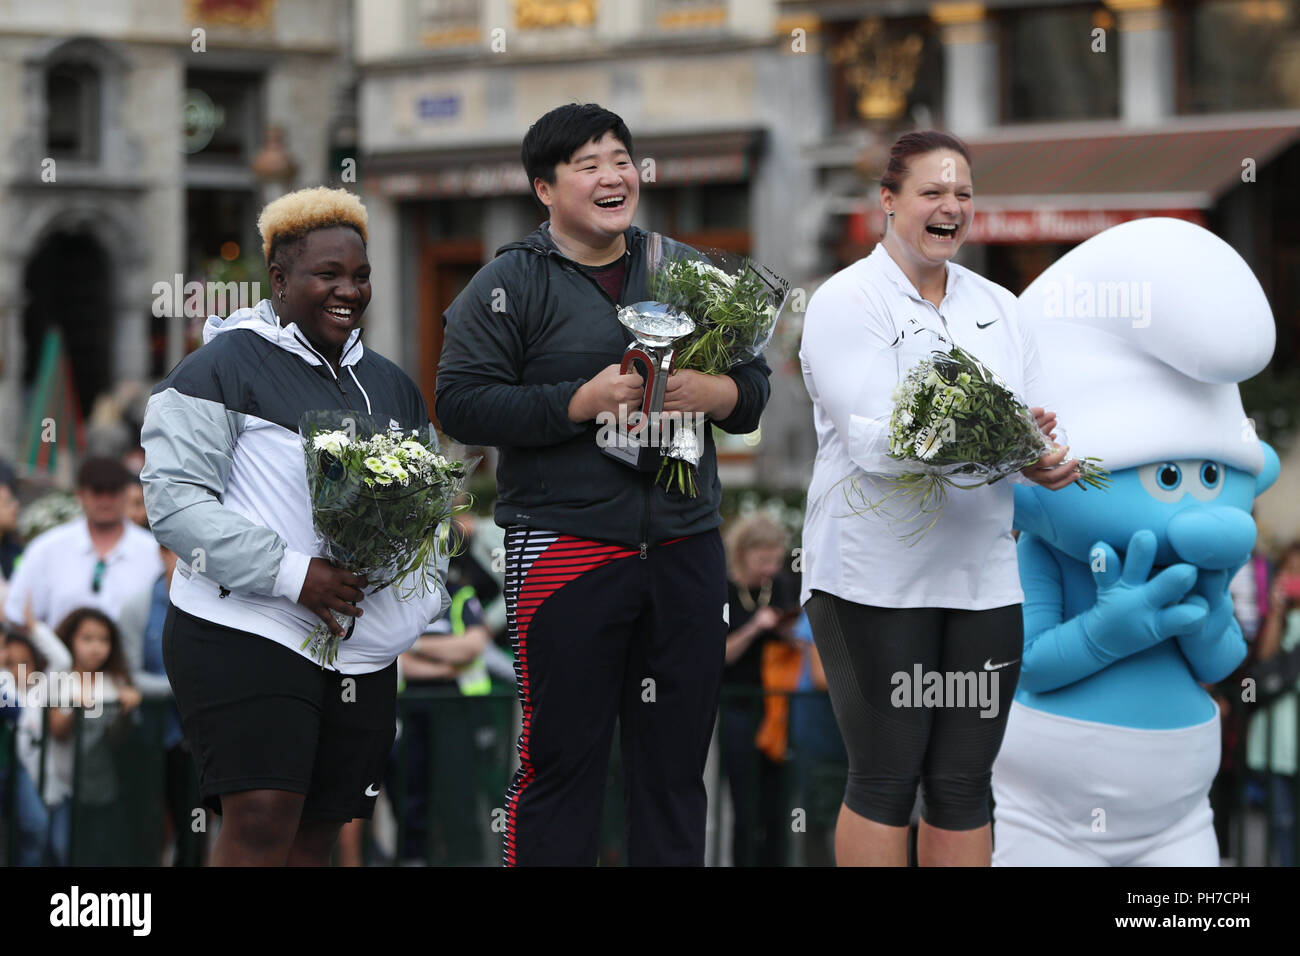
(921, 695)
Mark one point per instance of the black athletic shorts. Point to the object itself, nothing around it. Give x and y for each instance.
(259, 716)
(921, 695)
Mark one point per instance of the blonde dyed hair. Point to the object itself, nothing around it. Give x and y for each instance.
(751, 533)
(295, 214)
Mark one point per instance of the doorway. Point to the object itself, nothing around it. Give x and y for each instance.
(67, 289)
(446, 266)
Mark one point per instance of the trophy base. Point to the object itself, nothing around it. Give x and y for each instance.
(638, 457)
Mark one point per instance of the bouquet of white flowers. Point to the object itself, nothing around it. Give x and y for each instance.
(957, 425)
(49, 511)
(734, 303)
(381, 500)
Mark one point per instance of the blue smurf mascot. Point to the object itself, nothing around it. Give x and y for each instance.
(1112, 742)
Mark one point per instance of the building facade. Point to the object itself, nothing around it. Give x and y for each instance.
(138, 144)
(140, 138)
(1081, 115)
(715, 98)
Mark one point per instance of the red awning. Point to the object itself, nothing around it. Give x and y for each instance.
(1065, 184)
(1065, 188)
(1124, 170)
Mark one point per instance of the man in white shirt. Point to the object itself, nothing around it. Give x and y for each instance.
(97, 560)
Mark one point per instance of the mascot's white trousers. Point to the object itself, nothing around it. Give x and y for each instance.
(1076, 793)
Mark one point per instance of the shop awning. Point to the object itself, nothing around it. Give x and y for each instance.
(1065, 188)
(494, 170)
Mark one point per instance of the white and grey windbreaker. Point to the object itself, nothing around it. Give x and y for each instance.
(226, 487)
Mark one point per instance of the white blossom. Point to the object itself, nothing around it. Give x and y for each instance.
(331, 443)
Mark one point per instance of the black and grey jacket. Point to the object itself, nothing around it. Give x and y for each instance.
(529, 329)
(226, 487)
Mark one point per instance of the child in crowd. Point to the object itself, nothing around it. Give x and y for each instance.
(86, 671)
(20, 661)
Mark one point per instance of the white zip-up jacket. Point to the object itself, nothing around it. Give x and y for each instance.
(225, 482)
(865, 328)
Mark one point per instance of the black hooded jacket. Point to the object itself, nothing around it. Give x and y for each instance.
(529, 329)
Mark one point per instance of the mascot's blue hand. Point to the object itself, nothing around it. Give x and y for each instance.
(1210, 593)
(1133, 613)
(1215, 646)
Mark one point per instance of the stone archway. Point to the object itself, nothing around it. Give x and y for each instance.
(80, 268)
(67, 285)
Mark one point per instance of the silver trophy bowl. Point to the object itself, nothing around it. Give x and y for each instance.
(655, 324)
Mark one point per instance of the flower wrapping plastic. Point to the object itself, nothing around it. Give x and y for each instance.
(381, 502)
(954, 424)
(735, 303)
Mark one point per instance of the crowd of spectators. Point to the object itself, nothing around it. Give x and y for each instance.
(84, 603)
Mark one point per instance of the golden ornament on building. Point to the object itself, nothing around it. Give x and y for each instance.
(547, 14)
(881, 70)
(250, 14)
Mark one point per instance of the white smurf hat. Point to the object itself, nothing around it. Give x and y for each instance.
(1144, 332)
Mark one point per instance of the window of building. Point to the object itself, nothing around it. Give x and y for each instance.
(1053, 67)
(223, 117)
(885, 72)
(73, 103)
(713, 215)
(446, 23)
(1241, 55)
(220, 224)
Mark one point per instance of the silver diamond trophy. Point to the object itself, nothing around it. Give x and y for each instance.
(656, 327)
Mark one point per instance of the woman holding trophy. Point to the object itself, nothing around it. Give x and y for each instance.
(616, 587)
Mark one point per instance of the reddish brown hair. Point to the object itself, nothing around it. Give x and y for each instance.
(917, 143)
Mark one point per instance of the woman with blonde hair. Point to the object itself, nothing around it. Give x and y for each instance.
(287, 750)
(758, 596)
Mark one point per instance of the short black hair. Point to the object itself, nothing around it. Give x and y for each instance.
(103, 474)
(8, 478)
(557, 135)
(286, 250)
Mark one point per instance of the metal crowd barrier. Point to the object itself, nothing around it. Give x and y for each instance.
(1260, 805)
(455, 755)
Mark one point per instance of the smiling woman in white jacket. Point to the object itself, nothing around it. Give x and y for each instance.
(950, 603)
(286, 750)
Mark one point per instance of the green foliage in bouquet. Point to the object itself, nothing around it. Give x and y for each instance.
(382, 504)
(955, 418)
(734, 316)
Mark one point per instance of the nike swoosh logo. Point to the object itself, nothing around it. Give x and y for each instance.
(990, 666)
(371, 791)
(984, 325)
